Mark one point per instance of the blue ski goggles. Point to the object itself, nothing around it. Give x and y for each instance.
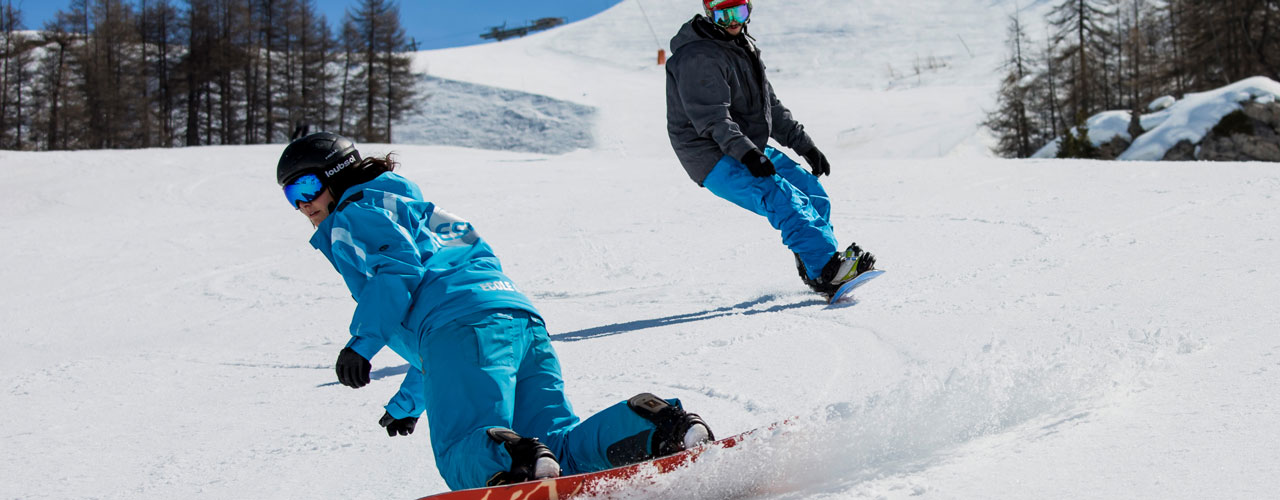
(731, 15)
(304, 189)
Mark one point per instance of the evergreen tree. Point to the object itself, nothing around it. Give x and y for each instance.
(1011, 120)
(1076, 144)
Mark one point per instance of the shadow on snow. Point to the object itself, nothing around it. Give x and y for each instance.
(379, 374)
(745, 309)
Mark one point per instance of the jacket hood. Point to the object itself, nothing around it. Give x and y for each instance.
(699, 28)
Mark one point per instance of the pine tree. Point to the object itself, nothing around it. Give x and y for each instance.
(1076, 144)
(1011, 120)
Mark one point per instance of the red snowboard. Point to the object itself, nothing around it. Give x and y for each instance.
(566, 487)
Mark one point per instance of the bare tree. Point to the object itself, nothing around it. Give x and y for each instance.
(215, 71)
(196, 66)
(1081, 39)
(383, 83)
(14, 77)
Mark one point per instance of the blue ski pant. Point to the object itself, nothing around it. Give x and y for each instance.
(498, 369)
(793, 201)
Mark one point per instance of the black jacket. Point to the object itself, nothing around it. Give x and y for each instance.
(719, 101)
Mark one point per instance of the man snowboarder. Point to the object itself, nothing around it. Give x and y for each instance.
(483, 370)
(721, 113)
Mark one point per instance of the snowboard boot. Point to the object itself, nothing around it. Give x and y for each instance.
(843, 267)
(677, 430)
(813, 284)
(530, 459)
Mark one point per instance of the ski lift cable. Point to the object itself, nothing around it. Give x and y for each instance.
(646, 21)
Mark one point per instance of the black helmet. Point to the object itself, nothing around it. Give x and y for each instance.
(327, 155)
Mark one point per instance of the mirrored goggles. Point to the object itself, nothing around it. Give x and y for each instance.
(731, 15)
(304, 189)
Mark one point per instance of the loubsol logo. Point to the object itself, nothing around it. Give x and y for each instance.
(345, 163)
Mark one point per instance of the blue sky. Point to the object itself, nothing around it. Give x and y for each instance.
(434, 23)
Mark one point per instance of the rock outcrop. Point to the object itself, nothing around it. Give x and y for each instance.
(1250, 134)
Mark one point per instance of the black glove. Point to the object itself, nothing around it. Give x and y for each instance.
(817, 162)
(758, 163)
(401, 426)
(353, 369)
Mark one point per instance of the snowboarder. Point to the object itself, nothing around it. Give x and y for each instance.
(428, 286)
(721, 113)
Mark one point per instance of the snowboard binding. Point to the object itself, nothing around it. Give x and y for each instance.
(677, 430)
(842, 268)
(530, 459)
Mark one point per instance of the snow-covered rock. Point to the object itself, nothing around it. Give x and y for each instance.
(1162, 103)
(1195, 115)
(1176, 129)
(1250, 134)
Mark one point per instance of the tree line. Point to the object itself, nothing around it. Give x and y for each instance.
(1103, 55)
(108, 74)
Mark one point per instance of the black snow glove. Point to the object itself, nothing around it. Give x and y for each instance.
(817, 162)
(758, 163)
(353, 369)
(401, 426)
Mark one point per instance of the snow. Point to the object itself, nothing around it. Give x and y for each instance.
(1047, 329)
(454, 113)
(1161, 103)
(1103, 127)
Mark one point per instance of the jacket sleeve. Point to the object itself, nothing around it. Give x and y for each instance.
(367, 241)
(705, 95)
(786, 130)
(408, 402)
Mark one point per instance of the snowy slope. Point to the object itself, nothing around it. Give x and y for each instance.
(874, 78)
(1047, 329)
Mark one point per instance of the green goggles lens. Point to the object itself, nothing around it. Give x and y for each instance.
(731, 15)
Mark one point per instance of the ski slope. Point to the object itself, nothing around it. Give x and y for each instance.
(1047, 329)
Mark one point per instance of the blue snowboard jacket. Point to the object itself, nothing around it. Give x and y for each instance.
(411, 267)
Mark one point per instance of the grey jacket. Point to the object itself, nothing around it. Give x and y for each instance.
(719, 101)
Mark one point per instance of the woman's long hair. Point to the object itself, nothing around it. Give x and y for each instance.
(368, 169)
(373, 166)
